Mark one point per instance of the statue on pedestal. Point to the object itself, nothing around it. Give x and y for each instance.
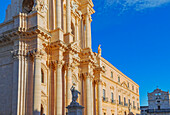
(74, 94)
(74, 108)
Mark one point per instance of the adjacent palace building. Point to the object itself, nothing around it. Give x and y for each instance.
(45, 48)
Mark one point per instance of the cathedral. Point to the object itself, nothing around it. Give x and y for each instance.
(45, 48)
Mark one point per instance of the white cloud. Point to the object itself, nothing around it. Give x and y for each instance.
(133, 4)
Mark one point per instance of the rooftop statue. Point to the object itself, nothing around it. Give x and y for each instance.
(99, 50)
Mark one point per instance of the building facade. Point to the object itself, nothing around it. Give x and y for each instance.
(45, 48)
(158, 103)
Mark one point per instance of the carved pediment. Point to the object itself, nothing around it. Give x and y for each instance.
(124, 85)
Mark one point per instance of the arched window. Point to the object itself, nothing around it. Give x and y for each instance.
(42, 76)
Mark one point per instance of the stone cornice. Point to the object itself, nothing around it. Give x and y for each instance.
(110, 65)
(58, 44)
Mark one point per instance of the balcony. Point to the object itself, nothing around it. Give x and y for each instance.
(121, 103)
(125, 104)
(134, 107)
(105, 99)
(113, 101)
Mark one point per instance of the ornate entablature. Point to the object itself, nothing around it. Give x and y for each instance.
(75, 8)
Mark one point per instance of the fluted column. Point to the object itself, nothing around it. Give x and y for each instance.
(59, 88)
(88, 95)
(99, 98)
(88, 33)
(37, 84)
(68, 17)
(68, 85)
(58, 13)
(68, 36)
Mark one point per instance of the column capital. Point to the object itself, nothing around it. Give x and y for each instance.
(99, 81)
(69, 65)
(16, 54)
(35, 53)
(57, 64)
(87, 75)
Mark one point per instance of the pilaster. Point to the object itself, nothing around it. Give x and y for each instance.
(37, 82)
(58, 87)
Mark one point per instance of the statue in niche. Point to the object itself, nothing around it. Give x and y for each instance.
(99, 50)
(27, 6)
(74, 6)
(74, 95)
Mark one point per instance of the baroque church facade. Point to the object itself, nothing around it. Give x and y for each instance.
(158, 103)
(45, 48)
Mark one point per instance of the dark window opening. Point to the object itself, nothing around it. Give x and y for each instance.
(42, 76)
(159, 107)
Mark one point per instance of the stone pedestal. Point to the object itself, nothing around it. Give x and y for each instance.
(75, 109)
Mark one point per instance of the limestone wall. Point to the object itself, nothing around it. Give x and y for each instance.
(6, 67)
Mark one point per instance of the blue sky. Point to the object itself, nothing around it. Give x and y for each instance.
(135, 38)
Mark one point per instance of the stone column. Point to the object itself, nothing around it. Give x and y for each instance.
(59, 88)
(91, 87)
(99, 98)
(68, 17)
(88, 33)
(37, 84)
(58, 13)
(68, 85)
(30, 85)
(88, 95)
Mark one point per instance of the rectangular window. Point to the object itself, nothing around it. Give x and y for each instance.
(119, 99)
(118, 79)
(128, 84)
(133, 88)
(111, 74)
(124, 99)
(112, 96)
(129, 101)
(104, 92)
(133, 103)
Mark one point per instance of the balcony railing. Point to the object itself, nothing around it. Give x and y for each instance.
(125, 104)
(138, 108)
(120, 103)
(113, 101)
(105, 99)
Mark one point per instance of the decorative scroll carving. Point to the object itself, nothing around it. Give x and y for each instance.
(57, 64)
(39, 5)
(35, 53)
(74, 7)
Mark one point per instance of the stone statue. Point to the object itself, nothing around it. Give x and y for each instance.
(99, 50)
(74, 94)
(27, 6)
(74, 108)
